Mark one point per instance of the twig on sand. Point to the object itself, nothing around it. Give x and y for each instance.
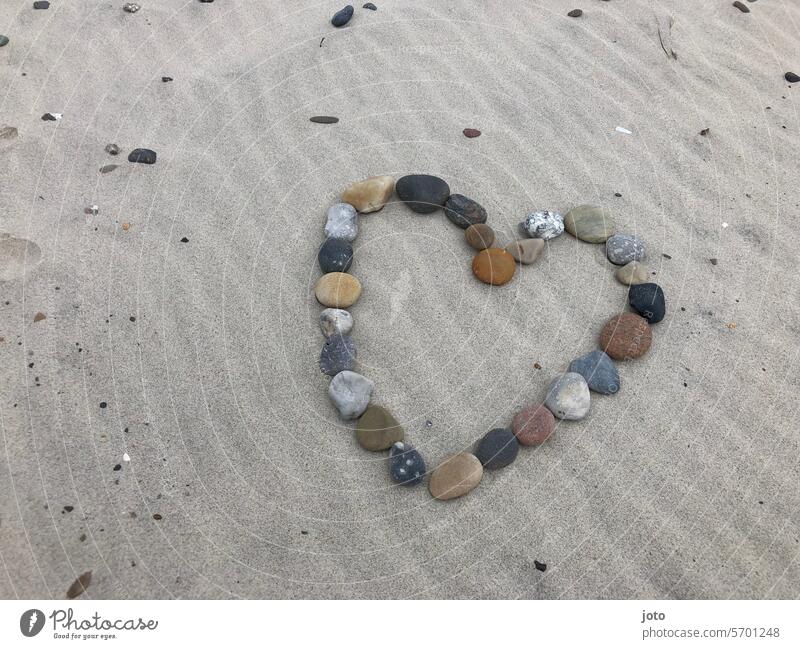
(664, 23)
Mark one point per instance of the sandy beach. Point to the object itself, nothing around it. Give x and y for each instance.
(165, 424)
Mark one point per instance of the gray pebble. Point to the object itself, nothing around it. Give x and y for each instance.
(335, 321)
(622, 249)
(342, 222)
(543, 224)
(350, 393)
(568, 397)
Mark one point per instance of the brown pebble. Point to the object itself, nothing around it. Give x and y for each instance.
(471, 132)
(337, 290)
(369, 195)
(455, 477)
(741, 6)
(494, 266)
(377, 429)
(533, 425)
(126, 226)
(575, 13)
(626, 336)
(526, 251)
(39, 317)
(479, 236)
(80, 585)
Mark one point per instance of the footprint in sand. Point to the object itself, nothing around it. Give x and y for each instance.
(17, 257)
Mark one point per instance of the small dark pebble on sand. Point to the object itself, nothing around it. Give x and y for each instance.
(184, 240)
(666, 256)
(704, 132)
(791, 77)
(741, 6)
(68, 508)
(157, 517)
(145, 156)
(471, 132)
(713, 261)
(117, 467)
(617, 194)
(370, 6)
(323, 119)
(112, 149)
(41, 4)
(166, 79)
(343, 16)
(575, 13)
(4, 42)
(80, 585)
(49, 117)
(539, 565)
(108, 169)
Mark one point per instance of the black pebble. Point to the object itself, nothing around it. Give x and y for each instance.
(648, 301)
(741, 6)
(541, 567)
(575, 13)
(713, 261)
(145, 156)
(184, 240)
(463, 211)
(406, 465)
(206, 1)
(335, 256)
(117, 467)
(323, 119)
(41, 4)
(370, 6)
(103, 404)
(47, 117)
(422, 193)
(343, 16)
(498, 448)
(791, 77)
(166, 79)
(338, 354)
(68, 508)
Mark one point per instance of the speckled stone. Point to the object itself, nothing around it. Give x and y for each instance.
(335, 256)
(463, 211)
(456, 477)
(497, 449)
(377, 429)
(335, 321)
(494, 266)
(533, 425)
(648, 301)
(633, 272)
(599, 371)
(422, 193)
(338, 290)
(526, 251)
(626, 336)
(343, 16)
(589, 223)
(479, 236)
(622, 249)
(543, 224)
(568, 397)
(369, 195)
(342, 222)
(338, 354)
(406, 465)
(350, 393)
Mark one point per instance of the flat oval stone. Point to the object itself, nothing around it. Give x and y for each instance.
(335, 256)
(626, 336)
(343, 16)
(494, 266)
(377, 429)
(338, 354)
(455, 477)
(471, 132)
(599, 371)
(533, 425)
(338, 290)
(568, 397)
(463, 211)
(369, 195)
(350, 393)
(335, 321)
(479, 236)
(633, 272)
(544, 224)
(526, 251)
(342, 222)
(145, 156)
(422, 193)
(497, 449)
(648, 301)
(590, 223)
(406, 465)
(622, 249)
(324, 119)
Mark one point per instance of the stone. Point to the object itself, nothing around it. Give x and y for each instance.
(343, 16)
(575, 13)
(741, 6)
(463, 211)
(494, 266)
(324, 119)
(51, 117)
(112, 149)
(406, 465)
(338, 354)
(369, 195)
(335, 256)
(166, 79)
(41, 4)
(350, 393)
(599, 371)
(533, 425)
(105, 169)
(543, 224)
(422, 193)
(455, 477)
(342, 222)
(526, 251)
(633, 272)
(131, 7)
(335, 321)
(497, 449)
(479, 236)
(378, 430)
(145, 156)
(370, 6)
(4, 40)
(626, 336)
(568, 397)
(648, 301)
(471, 132)
(338, 290)
(622, 249)
(791, 77)
(589, 223)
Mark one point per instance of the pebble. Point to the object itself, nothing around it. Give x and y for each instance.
(377, 429)
(406, 465)
(131, 7)
(166, 79)
(599, 371)
(741, 6)
(526, 251)
(479, 236)
(497, 449)
(112, 149)
(342, 222)
(533, 425)
(323, 119)
(51, 117)
(544, 224)
(350, 393)
(494, 266)
(463, 211)
(575, 13)
(369, 195)
(41, 4)
(4, 40)
(626, 336)
(568, 397)
(471, 132)
(335, 321)
(370, 6)
(343, 16)
(622, 249)
(107, 168)
(145, 156)
(338, 290)
(589, 223)
(422, 193)
(648, 301)
(455, 477)
(338, 354)
(791, 77)
(633, 272)
(335, 256)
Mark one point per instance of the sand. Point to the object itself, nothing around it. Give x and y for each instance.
(684, 485)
